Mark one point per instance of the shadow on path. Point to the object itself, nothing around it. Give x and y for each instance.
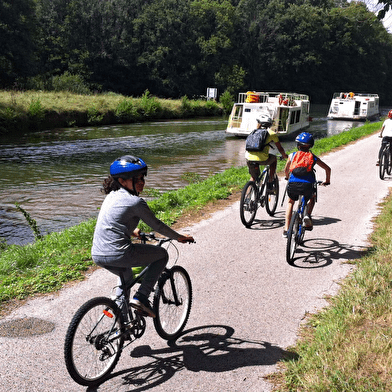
(208, 348)
(321, 252)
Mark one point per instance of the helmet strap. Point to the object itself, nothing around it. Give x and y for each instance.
(131, 191)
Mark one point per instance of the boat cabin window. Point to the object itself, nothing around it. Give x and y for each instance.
(237, 112)
(295, 116)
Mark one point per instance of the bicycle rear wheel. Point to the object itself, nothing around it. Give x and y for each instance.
(293, 238)
(383, 163)
(93, 341)
(248, 203)
(172, 302)
(272, 197)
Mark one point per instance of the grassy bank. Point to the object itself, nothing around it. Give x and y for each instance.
(37, 110)
(47, 264)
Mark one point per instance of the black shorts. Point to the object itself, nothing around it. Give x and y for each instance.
(294, 189)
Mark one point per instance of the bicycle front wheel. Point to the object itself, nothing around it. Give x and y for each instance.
(248, 203)
(272, 197)
(389, 162)
(93, 341)
(172, 302)
(383, 163)
(293, 238)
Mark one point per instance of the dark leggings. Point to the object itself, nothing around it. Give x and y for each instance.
(138, 254)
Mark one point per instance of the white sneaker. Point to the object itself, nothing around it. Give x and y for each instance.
(308, 221)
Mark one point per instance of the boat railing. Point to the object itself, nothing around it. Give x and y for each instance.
(347, 95)
(260, 97)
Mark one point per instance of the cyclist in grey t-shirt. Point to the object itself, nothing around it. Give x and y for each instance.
(117, 222)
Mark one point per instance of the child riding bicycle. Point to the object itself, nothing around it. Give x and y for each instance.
(386, 135)
(117, 221)
(301, 178)
(256, 158)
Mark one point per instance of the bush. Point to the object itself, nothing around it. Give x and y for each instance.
(125, 111)
(68, 82)
(149, 105)
(227, 101)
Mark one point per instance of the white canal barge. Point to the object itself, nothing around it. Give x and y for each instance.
(290, 112)
(353, 106)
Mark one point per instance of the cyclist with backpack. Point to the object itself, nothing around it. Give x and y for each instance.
(299, 171)
(386, 135)
(257, 148)
(117, 222)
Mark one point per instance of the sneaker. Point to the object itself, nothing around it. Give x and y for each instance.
(284, 234)
(141, 302)
(308, 222)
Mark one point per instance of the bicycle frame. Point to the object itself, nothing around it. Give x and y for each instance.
(260, 185)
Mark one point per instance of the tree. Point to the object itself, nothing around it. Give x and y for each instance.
(17, 40)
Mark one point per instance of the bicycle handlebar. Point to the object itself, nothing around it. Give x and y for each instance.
(151, 237)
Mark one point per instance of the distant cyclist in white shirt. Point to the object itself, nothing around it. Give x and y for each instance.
(386, 134)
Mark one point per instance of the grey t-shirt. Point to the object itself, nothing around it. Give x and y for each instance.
(118, 218)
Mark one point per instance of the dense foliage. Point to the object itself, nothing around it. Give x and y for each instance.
(180, 47)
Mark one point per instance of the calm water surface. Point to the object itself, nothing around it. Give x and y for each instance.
(56, 175)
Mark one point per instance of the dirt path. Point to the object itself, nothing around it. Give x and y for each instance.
(248, 302)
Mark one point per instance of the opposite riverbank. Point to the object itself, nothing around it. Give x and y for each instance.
(28, 111)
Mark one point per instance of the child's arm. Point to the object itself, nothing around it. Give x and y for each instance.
(327, 171)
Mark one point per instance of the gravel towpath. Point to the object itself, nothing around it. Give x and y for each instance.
(248, 302)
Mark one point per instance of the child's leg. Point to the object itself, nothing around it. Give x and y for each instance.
(289, 213)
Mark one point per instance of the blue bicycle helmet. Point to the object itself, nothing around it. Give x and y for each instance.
(128, 166)
(305, 138)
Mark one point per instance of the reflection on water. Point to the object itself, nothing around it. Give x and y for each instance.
(56, 175)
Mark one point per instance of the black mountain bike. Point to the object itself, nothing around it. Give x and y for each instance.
(255, 194)
(385, 160)
(96, 335)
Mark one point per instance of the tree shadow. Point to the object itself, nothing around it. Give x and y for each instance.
(321, 252)
(208, 348)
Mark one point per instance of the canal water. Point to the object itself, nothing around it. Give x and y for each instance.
(56, 175)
